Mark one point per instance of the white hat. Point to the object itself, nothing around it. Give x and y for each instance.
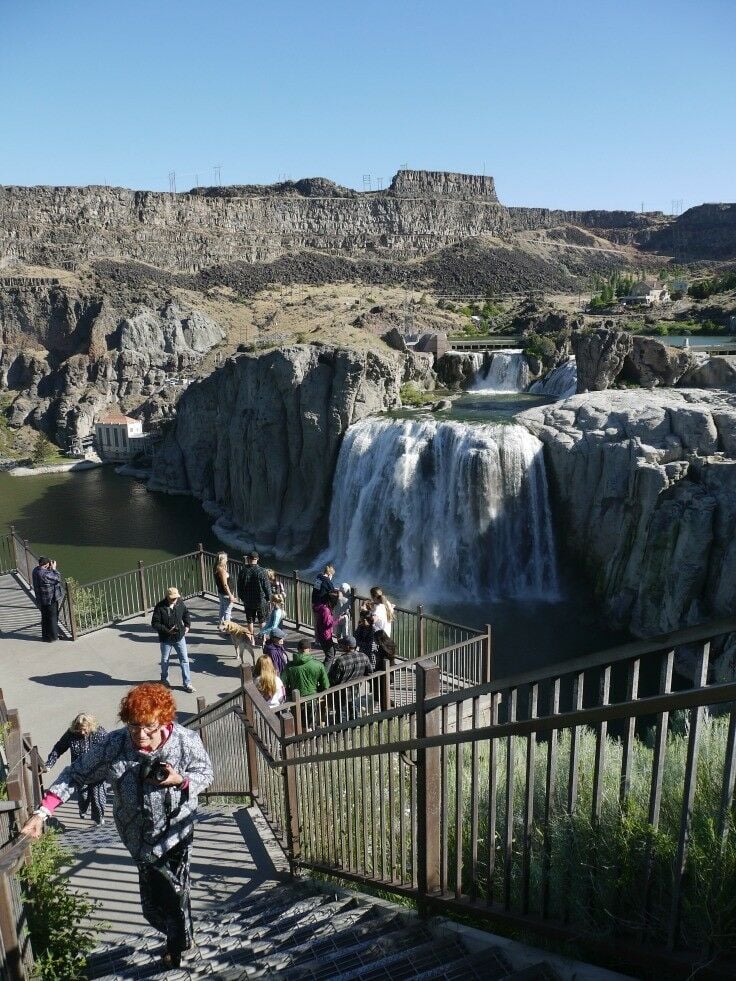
(345, 587)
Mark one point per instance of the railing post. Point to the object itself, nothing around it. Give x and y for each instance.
(428, 783)
(297, 600)
(291, 800)
(9, 940)
(15, 784)
(421, 636)
(296, 697)
(69, 599)
(487, 666)
(26, 550)
(251, 749)
(386, 688)
(201, 706)
(202, 580)
(142, 588)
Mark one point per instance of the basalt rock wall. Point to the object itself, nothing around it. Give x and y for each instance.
(258, 439)
(644, 485)
(421, 212)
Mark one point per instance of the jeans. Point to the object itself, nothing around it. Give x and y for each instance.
(226, 607)
(180, 646)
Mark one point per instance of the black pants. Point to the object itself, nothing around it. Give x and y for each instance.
(49, 620)
(165, 900)
(253, 614)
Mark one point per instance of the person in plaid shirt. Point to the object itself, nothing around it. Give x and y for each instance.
(349, 663)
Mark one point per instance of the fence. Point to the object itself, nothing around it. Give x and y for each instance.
(93, 605)
(16, 556)
(592, 801)
(20, 768)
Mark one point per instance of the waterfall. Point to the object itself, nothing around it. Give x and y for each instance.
(506, 371)
(560, 383)
(443, 510)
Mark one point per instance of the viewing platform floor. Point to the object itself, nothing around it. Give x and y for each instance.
(50, 684)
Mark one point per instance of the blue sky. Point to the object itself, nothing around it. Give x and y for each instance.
(568, 104)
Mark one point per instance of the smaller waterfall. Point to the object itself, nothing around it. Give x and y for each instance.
(560, 383)
(506, 371)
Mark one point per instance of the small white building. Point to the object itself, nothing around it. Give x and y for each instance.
(644, 295)
(118, 437)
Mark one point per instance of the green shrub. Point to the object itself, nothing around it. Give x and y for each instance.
(60, 937)
(539, 345)
(88, 605)
(412, 394)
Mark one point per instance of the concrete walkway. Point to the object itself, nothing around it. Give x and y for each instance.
(51, 683)
(234, 853)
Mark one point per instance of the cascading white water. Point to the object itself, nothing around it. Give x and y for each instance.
(506, 371)
(443, 510)
(560, 383)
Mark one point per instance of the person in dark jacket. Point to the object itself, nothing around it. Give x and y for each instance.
(324, 585)
(364, 636)
(83, 733)
(49, 594)
(274, 648)
(172, 621)
(254, 589)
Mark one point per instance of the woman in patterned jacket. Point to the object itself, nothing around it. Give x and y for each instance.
(156, 768)
(83, 733)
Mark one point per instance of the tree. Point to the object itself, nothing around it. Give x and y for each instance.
(43, 449)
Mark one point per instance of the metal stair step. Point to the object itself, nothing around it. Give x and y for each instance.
(417, 954)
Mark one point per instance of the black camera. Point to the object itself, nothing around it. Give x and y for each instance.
(154, 770)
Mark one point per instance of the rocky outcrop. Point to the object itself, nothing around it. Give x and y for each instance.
(257, 440)
(717, 371)
(651, 363)
(66, 358)
(645, 491)
(458, 369)
(600, 355)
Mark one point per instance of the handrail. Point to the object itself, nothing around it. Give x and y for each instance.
(259, 702)
(613, 655)
(129, 572)
(12, 856)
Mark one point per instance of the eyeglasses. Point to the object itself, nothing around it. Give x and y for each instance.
(149, 730)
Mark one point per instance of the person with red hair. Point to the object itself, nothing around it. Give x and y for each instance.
(156, 768)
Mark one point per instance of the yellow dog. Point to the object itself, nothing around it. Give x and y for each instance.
(243, 640)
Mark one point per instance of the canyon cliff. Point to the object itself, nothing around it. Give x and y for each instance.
(257, 440)
(644, 486)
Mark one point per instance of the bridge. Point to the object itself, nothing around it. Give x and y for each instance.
(431, 780)
(490, 343)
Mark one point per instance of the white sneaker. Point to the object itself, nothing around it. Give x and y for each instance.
(190, 689)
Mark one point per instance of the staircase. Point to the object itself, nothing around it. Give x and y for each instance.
(298, 931)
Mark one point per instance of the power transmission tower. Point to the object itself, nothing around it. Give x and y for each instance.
(172, 182)
(379, 183)
(367, 183)
(217, 172)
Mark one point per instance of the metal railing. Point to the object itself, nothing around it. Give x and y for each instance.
(103, 602)
(589, 801)
(20, 769)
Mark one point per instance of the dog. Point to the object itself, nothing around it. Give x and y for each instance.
(243, 640)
